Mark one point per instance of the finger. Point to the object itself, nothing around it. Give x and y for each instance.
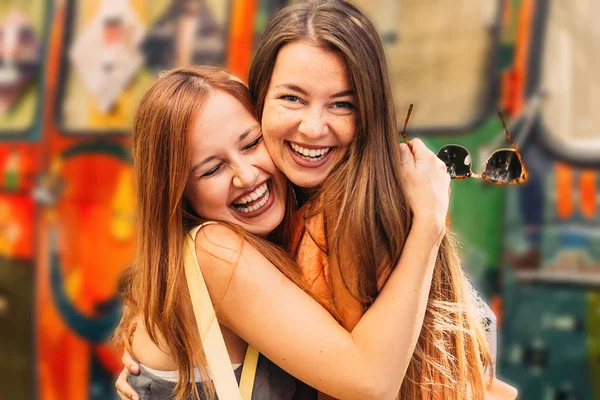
(417, 144)
(406, 156)
(129, 362)
(124, 390)
(441, 165)
(420, 143)
(419, 149)
(125, 397)
(423, 151)
(405, 149)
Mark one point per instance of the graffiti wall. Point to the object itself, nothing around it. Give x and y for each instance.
(73, 71)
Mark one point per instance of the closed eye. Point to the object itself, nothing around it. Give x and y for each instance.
(254, 143)
(212, 171)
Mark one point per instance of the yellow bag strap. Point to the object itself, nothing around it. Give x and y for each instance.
(210, 333)
(248, 373)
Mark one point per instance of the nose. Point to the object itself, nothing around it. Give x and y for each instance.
(314, 123)
(245, 175)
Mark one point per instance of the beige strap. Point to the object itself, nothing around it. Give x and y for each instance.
(249, 373)
(208, 326)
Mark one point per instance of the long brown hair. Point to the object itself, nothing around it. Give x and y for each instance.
(364, 206)
(156, 288)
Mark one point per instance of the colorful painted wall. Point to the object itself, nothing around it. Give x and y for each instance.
(69, 87)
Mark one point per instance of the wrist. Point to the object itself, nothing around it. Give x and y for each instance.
(432, 227)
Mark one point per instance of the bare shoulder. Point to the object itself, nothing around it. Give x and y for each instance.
(217, 242)
(223, 257)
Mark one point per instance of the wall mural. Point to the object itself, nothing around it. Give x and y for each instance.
(72, 74)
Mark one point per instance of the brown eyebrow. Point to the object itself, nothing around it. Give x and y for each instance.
(292, 87)
(243, 136)
(343, 93)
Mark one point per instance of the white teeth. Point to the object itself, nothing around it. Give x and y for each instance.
(252, 208)
(241, 204)
(309, 154)
(259, 191)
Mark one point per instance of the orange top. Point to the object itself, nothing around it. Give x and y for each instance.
(310, 249)
(309, 245)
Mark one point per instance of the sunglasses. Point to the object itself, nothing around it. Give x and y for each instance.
(504, 166)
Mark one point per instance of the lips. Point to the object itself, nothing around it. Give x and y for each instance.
(311, 157)
(255, 201)
(310, 154)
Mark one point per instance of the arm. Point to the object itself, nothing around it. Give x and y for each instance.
(257, 302)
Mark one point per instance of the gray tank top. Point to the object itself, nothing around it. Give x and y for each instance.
(270, 383)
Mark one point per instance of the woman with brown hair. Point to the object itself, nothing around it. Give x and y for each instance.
(318, 63)
(199, 157)
(322, 95)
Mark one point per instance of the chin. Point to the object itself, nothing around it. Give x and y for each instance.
(261, 230)
(307, 182)
(260, 233)
(264, 226)
(308, 178)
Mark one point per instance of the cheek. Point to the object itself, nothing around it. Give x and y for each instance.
(276, 121)
(271, 142)
(263, 158)
(272, 133)
(207, 197)
(347, 130)
(274, 149)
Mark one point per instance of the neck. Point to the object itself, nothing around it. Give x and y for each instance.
(303, 194)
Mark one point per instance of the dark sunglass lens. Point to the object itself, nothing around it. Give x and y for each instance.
(503, 166)
(457, 160)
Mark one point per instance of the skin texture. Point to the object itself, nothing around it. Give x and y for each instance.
(310, 103)
(365, 363)
(371, 360)
(238, 162)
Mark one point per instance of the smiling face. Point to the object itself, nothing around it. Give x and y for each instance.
(309, 116)
(232, 178)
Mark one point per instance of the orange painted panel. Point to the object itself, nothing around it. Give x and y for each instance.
(588, 193)
(564, 191)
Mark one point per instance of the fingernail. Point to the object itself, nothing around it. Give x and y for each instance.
(135, 369)
(134, 398)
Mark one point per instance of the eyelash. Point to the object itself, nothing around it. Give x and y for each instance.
(254, 143)
(211, 172)
(344, 104)
(289, 97)
(339, 104)
(249, 146)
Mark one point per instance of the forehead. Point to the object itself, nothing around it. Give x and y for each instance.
(306, 63)
(219, 122)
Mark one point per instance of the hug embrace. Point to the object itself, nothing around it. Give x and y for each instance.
(321, 240)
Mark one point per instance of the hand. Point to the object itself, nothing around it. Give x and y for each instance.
(124, 390)
(426, 185)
